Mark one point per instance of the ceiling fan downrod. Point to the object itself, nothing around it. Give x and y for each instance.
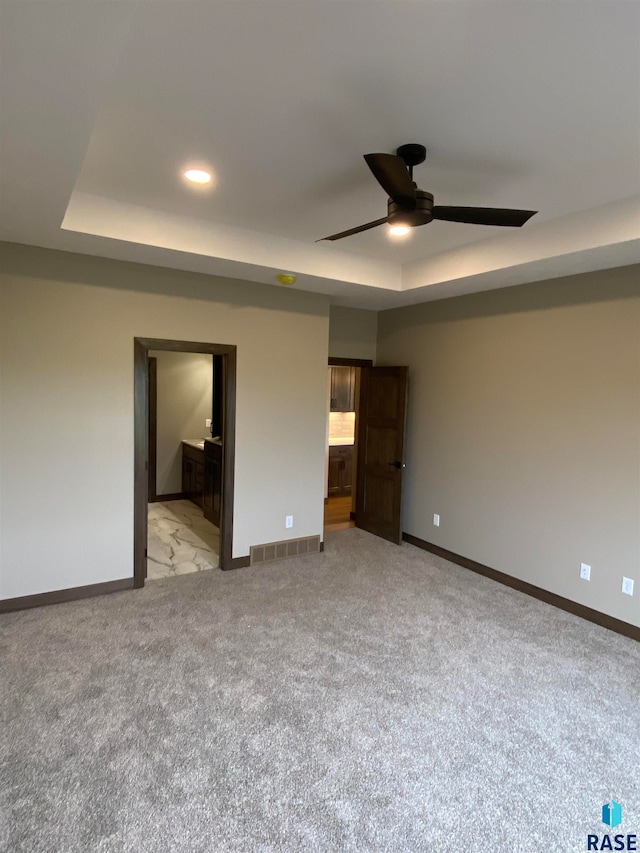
(413, 154)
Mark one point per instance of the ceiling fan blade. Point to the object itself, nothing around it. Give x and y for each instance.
(391, 173)
(483, 215)
(354, 230)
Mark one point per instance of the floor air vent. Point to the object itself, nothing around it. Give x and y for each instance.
(287, 548)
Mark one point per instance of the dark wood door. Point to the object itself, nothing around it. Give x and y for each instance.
(381, 422)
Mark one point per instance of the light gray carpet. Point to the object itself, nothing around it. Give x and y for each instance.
(371, 698)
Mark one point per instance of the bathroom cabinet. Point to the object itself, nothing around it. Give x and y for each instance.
(343, 389)
(340, 470)
(193, 476)
(202, 477)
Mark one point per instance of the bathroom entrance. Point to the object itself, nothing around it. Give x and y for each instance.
(184, 457)
(343, 391)
(185, 450)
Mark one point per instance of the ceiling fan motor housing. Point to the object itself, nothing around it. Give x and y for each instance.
(420, 215)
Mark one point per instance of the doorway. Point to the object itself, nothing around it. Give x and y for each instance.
(376, 465)
(343, 403)
(185, 450)
(201, 467)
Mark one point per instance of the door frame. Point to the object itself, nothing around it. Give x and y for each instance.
(153, 428)
(350, 362)
(141, 348)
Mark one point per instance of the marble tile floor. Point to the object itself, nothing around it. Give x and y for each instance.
(180, 540)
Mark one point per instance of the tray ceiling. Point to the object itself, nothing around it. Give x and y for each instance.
(527, 104)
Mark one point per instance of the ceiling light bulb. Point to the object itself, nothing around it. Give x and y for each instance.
(399, 230)
(197, 176)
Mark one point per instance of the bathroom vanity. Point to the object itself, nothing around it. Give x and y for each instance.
(202, 475)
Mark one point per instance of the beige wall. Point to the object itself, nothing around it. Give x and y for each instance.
(524, 430)
(185, 390)
(352, 333)
(66, 417)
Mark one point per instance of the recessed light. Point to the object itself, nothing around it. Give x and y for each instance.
(198, 176)
(399, 230)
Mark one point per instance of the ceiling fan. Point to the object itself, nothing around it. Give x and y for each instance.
(409, 206)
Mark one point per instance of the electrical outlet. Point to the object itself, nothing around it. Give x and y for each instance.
(585, 572)
(288, 522)
(627, 586)
(436, 519)
(207, 422)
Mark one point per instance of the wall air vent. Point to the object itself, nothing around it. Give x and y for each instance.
(287, 548)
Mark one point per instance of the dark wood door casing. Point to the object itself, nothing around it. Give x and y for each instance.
(212, 497)
(153, 426)
(381, 425)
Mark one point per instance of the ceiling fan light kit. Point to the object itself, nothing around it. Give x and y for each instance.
(409, 207)
(399, 230)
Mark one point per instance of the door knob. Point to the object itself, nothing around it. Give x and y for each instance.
(397, 464)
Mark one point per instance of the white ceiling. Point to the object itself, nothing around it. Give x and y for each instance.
(520, 104)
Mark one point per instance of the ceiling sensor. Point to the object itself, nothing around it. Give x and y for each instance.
(285, 278)
(408, 206)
